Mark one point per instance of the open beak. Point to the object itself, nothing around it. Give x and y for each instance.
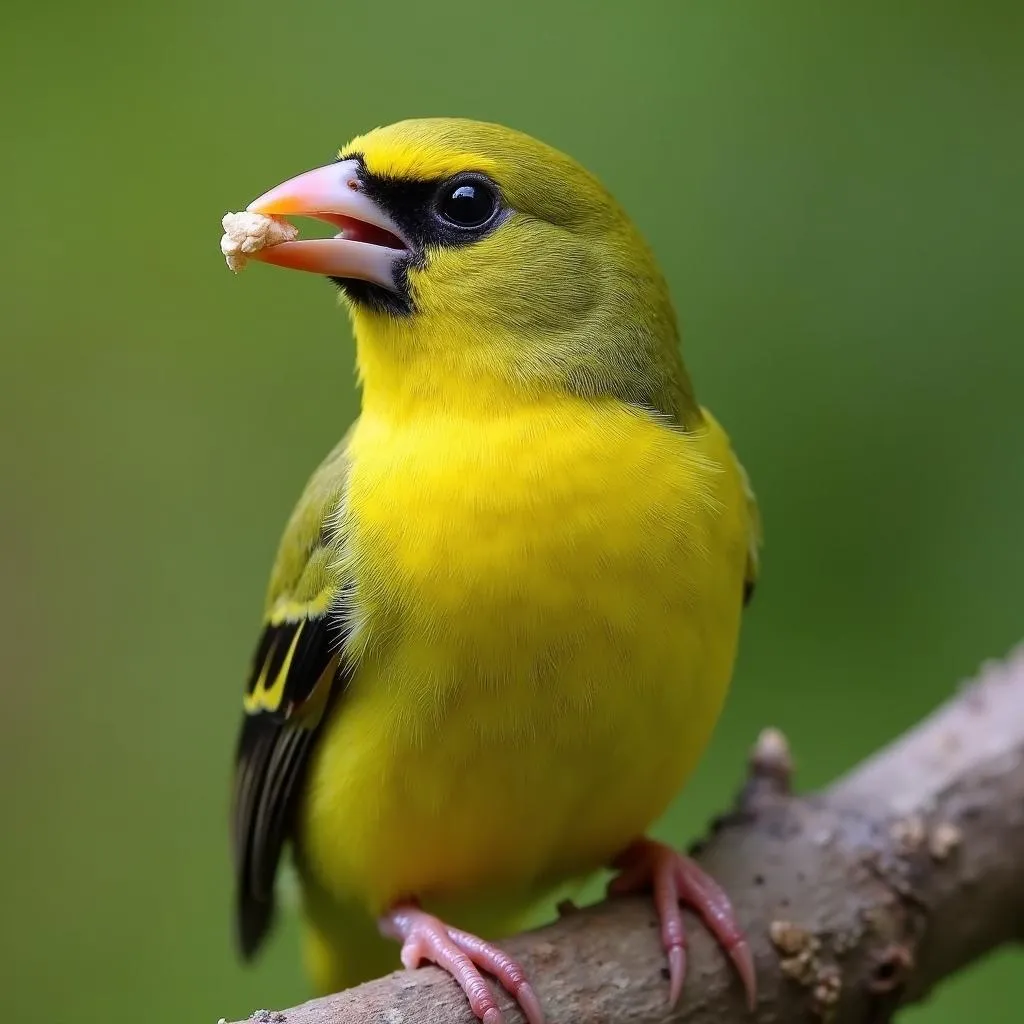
(369, 244)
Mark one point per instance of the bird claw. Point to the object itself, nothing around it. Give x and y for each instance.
(676, 878)
(676, 973)
(427, 938)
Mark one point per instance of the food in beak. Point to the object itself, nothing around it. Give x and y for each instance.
(245, 234)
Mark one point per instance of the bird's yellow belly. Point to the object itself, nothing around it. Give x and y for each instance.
(546, 619)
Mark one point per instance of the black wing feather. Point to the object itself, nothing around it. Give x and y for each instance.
(272, 758)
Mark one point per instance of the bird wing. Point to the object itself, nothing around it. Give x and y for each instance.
(296, 672)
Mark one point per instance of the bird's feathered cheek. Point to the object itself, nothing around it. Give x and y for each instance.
(524, 274)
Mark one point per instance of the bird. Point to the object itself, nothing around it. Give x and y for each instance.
(504, 614)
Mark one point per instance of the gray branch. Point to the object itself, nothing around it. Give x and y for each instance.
(857, 900)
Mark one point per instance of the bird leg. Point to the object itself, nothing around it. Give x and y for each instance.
(463, 956)
(675, 878)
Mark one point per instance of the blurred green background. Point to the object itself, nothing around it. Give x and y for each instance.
(835, 194)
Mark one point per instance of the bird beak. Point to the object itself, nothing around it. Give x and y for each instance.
(367, 248)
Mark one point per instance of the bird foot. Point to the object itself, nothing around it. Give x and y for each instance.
(463, 956)
(675, 878)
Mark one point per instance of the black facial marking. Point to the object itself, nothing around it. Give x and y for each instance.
(422, 208)
(439, 213)
(380, 300)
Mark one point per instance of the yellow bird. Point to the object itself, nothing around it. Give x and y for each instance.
(504, 614)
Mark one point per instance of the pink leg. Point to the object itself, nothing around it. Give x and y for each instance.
(674, 877)
(463, 956)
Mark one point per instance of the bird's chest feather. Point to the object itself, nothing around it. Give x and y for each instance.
(505, 542)
(544, 617)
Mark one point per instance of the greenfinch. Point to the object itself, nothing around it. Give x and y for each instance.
(504, 614)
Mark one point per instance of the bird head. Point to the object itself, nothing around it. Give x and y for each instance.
(492, 256)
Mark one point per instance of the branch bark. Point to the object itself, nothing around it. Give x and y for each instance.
(857, 900)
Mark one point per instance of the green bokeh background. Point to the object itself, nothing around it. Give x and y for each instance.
(835, 194)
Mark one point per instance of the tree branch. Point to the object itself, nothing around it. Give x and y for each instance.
(857, 900)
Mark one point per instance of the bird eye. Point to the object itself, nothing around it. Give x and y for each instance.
(467, 202)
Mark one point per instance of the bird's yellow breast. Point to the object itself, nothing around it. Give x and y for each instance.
(545, 616)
